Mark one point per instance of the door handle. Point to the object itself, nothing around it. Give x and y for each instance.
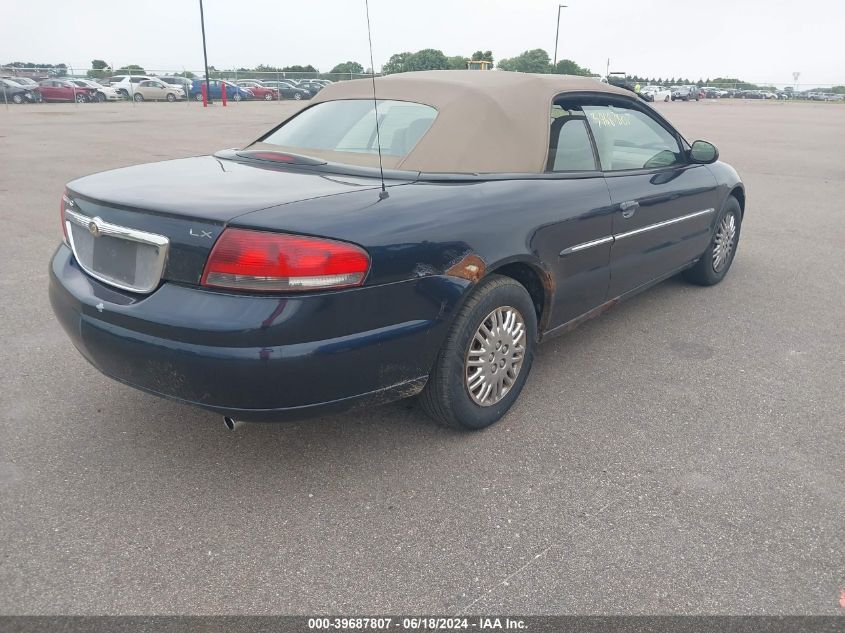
(629, 208)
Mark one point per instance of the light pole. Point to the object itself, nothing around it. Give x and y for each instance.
(205, 54)
(557, 33)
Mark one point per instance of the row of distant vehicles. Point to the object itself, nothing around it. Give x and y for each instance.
(695, 93)
(174, 88)
(153, 88)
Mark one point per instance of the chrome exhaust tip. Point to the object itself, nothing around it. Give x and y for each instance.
(229, 422)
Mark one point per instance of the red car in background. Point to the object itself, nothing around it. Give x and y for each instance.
(259, 90)
(62, 90)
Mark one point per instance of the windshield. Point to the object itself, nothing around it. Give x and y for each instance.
(349, 126)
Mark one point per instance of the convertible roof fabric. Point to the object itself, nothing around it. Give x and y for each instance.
(487, 121)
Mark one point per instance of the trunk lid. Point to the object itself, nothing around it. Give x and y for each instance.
(189, 202)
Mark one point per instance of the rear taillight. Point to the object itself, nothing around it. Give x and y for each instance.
(272, 262)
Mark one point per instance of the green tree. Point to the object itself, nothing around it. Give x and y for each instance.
(398, 63)
(430, 59)
(457, 62)
(99, 69)
(425, 59)
(133, 69)
(348, 68)
(479, 56)
(533, 61)
(569, 67)
(300, 69)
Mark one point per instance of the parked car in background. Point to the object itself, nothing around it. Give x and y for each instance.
(768, 94)
(64, 90)
(753, 94)
(783, 94)
(126, 84)
(267, 93)
(215, 90)
(13, 92)
(287, 279)
(102, 93)
(155, 90)
(685, 93)
(311, 86)
(288, 90)
(29, 84)
(657, 93)
(182, 82)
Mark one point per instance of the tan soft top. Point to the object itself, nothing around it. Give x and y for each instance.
(487, 121)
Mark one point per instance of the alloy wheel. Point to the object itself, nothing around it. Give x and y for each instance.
(723, 243)
(495, 356)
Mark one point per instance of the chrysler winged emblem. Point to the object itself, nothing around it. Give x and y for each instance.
(94, 227)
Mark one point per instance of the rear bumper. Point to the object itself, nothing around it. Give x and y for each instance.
(259, 358)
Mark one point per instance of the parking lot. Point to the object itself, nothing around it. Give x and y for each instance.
(681, 454)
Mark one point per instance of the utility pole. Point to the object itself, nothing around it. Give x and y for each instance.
(205, 54)
(557, 33)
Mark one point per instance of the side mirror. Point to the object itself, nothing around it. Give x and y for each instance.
(703, 152)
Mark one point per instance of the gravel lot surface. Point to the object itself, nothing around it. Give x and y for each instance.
(682, 454)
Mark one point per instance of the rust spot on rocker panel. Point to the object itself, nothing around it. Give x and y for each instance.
(574, 323)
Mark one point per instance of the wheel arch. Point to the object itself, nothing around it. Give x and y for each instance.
(535, 279)
(738, 192)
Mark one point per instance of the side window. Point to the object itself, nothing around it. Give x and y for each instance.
(630, 139)
(570, 148)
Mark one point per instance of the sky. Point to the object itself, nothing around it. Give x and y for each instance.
(763, 41)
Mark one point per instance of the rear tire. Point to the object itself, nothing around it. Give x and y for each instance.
(138, 97)
(453, 395)
(198, 97)
(715, 262)
(101, 97)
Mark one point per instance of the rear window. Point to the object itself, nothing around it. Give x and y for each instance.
(349, 125)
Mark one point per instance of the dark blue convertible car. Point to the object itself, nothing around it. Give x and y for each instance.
(289, 278)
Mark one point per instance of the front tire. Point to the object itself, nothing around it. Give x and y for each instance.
(171, 97)
(715, 262)
(81, 98)
(237, 97)
(268, 96)
(486, 357)
(17, 98)
(297, 96)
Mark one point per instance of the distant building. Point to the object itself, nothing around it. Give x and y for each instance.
(481, 64)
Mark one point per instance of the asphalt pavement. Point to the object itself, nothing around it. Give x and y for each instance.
(681, 454)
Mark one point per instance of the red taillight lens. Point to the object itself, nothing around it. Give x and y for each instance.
(272, 262)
